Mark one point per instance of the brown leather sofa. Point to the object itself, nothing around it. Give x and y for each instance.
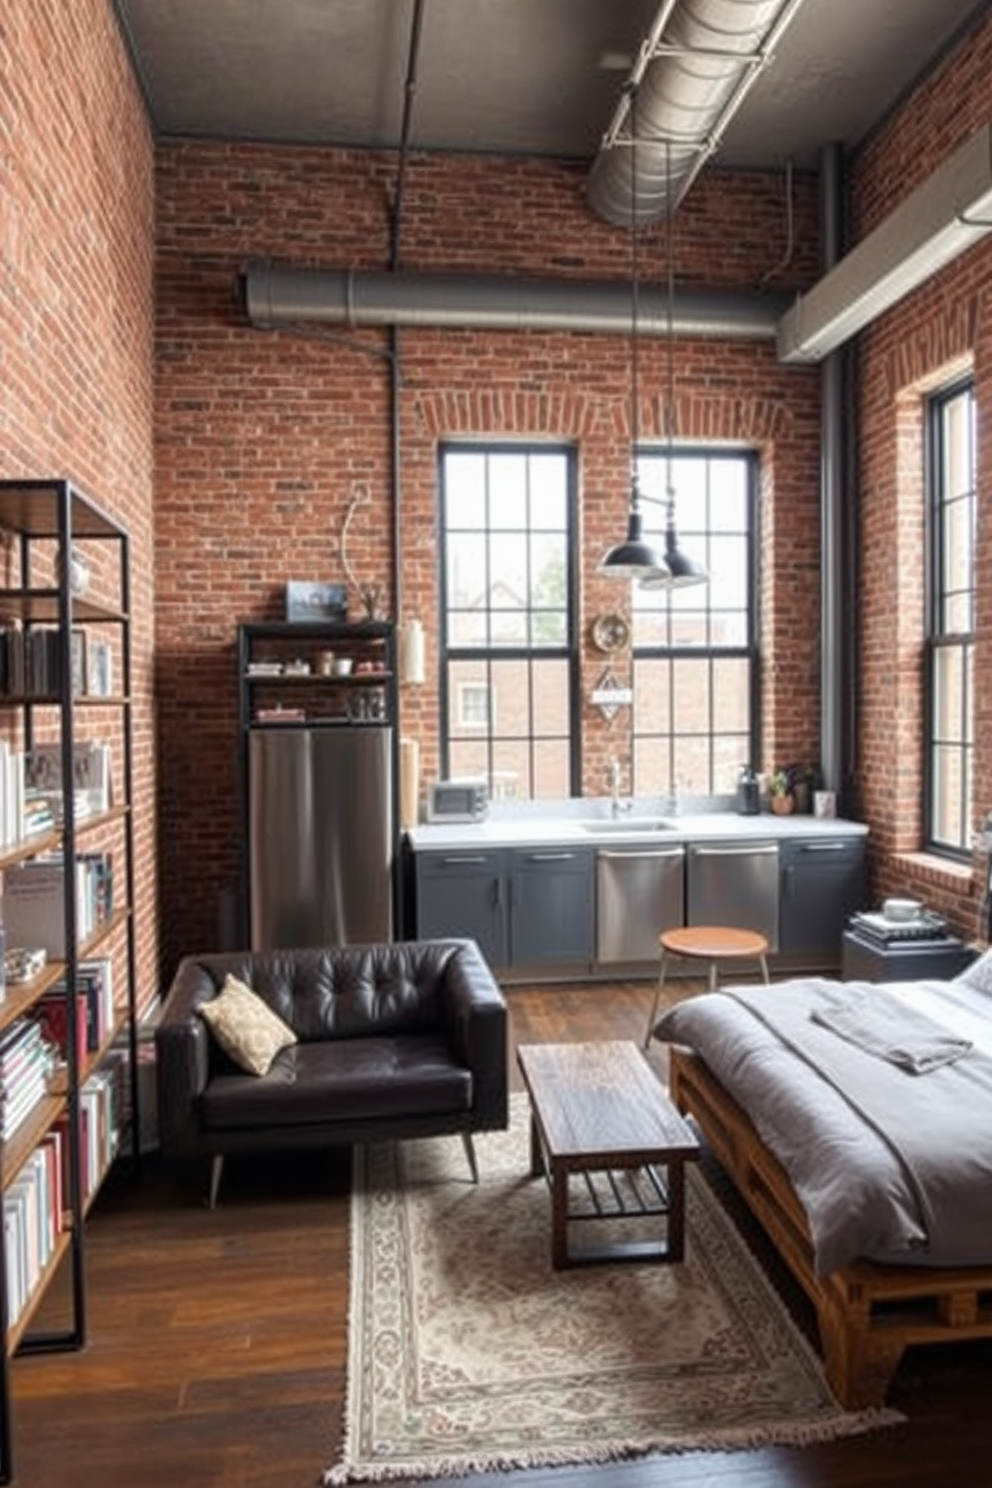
(394, 1041)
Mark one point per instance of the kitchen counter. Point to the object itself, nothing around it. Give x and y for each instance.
(566, 829)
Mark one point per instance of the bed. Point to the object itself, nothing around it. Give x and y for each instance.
(856, 1122)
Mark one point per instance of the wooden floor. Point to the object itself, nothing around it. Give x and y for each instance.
(217, 1341)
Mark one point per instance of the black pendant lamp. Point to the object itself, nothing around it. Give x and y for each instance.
(633, 558)
(680, 571)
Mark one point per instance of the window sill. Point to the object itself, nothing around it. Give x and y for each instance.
(940, 872)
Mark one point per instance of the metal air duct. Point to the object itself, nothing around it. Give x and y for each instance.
(693, 71)
(277, 297)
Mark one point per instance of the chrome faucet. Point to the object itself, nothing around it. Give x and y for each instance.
(619, 804)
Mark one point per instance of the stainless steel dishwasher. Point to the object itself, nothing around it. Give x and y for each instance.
(734, 884)
(638, 894)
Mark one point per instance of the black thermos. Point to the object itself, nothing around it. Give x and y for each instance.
(748, 792)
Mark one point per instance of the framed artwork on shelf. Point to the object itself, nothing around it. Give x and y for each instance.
(77, 654)
(99, 668)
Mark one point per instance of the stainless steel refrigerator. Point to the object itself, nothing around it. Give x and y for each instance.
(321, 836)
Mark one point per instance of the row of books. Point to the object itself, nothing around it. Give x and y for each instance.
(35, 1202)
(31, 662)
(33, 1218)
(34, 899)
(31, 796)
(33, 1046)
(27, 1062)
(94, 1010)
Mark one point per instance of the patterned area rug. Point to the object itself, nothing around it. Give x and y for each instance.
(468, 1352)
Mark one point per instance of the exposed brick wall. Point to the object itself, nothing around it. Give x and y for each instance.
(76, 320)
(923, 342)
(262, 438)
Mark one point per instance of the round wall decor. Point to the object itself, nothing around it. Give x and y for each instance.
(610, 633)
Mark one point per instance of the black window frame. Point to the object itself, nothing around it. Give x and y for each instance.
(938, 640)
(568, 652)
(750, 650)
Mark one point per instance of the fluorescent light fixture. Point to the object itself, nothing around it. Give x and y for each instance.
(949, 212)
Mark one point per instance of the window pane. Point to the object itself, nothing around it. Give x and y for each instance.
(549, 680)
(731, 696)
(548, 493)
(465, 570)
(467, 475)
(508, 491)
(652, 684)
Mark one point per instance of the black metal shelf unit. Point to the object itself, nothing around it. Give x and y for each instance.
(47, 696)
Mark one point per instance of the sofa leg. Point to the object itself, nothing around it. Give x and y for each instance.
(469, 1146)
(216, 1168)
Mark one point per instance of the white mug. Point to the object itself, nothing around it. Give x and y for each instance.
(825, 804)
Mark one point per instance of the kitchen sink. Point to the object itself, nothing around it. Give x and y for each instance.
(628, 824)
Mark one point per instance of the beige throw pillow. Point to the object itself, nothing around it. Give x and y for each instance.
(246, 1027)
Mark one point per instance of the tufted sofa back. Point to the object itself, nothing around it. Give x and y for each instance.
(345, 991)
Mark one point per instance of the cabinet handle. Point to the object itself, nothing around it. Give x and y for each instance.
(454, 862)
(550, 857)
(763, 850)
(822, 847)
(641, 857)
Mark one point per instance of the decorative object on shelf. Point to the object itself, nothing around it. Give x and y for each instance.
(679, 570)
(610, 633)
(609, 695)
(411, 653)
(369, 594)
(307, 600)
(79, 570)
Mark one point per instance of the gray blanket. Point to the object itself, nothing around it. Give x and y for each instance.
(887, 1167)
(890, 1030)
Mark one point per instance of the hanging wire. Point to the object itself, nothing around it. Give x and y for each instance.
(670, 337)
(634, 382)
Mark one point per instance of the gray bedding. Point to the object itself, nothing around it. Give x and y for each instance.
(890, 1163)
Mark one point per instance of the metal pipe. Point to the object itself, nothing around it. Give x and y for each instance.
(277, 296)
(832, 630)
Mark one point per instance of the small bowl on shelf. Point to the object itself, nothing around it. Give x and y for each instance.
(900, 911)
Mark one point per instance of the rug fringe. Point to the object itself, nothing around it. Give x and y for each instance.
(748, 1438)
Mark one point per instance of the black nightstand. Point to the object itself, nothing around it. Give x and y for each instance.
(865, 959)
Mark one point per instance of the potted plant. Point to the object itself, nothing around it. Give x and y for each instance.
(780, 796)
(804, 779)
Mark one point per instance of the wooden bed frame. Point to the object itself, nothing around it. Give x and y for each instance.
(868, 1314)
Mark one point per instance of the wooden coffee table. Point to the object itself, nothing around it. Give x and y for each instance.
(599, 1111)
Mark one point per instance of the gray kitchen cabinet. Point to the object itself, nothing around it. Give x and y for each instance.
(552, 905)
(822, 883)
(735, 884)
(524, 907)
(465, 893)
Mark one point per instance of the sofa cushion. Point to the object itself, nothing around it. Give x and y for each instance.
(343, 1080)
(246, 1027)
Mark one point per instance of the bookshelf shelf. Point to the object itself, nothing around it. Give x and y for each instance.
(65, 746)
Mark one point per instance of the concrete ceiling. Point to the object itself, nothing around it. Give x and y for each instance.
(535, 77)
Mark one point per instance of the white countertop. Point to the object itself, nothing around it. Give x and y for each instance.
(534, 829)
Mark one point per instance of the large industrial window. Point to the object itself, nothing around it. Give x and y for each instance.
(950, 638)
(695, 709)
(508, 667)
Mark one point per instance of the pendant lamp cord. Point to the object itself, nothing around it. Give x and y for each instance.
(670, 337)
(634, 389)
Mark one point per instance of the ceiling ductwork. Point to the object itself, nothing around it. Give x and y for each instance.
(276, 297)
(947, 213)
(692, 73)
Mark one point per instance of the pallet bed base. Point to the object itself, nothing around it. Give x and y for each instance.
(868, 1314)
